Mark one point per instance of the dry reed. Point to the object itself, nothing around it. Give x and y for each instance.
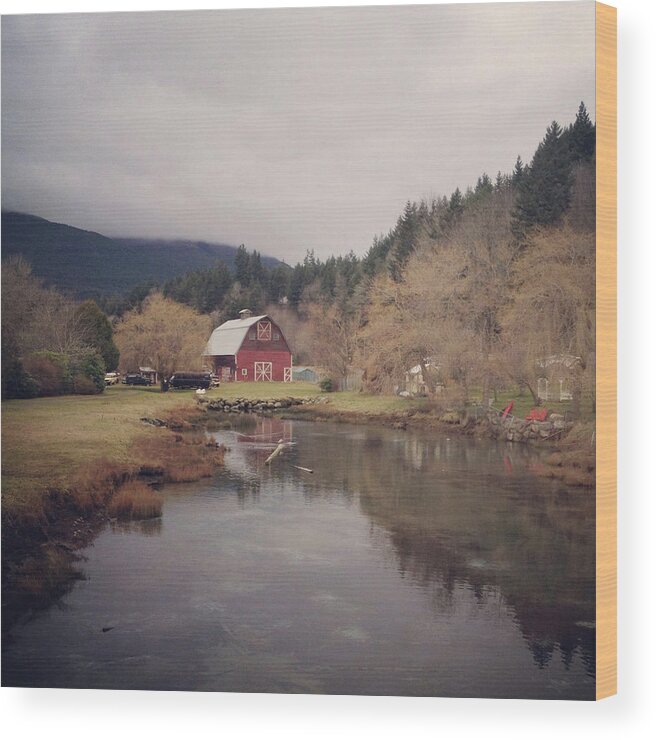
(135, 500)
(179, 458)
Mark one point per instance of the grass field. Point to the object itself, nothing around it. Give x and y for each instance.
(370, 405)
(46, 441)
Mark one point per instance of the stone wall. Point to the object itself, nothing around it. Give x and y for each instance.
(256, 406)
(514, 429)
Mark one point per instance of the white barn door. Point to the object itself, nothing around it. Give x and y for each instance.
(288, 375)
(263, 371)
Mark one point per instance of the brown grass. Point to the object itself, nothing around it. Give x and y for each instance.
(96, 482)
(135, 500)
(177, 458)
(575, 464)
(50, 571)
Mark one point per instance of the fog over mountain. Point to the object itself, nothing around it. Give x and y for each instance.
(285, 130)
(86, 264)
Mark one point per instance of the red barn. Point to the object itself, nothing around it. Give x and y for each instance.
(249, 348)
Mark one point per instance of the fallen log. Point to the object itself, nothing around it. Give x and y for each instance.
(276, 452)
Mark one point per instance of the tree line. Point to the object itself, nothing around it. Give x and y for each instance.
(51, 344)
(478, 288)
(475, 287)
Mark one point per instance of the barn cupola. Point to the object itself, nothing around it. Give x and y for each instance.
(245, 313)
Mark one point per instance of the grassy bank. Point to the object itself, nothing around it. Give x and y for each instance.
(47, 442)
(69, 463)
(73, 443)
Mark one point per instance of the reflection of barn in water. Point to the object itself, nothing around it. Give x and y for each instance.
(249, 448)
(268, 431)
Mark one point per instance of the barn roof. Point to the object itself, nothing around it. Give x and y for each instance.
(227, 338)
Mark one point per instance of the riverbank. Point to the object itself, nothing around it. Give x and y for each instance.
(72, 463)
(573, 459)
(50, 443)
(65, 459)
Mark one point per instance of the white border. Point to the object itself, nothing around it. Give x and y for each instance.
(51, 714)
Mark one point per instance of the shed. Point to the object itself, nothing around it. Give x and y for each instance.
(150, 373)
(305, 373)
(249, 348)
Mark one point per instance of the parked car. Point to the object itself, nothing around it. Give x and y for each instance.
(190, 380)
(112, 378)
(136, 379)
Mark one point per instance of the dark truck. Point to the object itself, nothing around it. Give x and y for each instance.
(136, 379)
(190, 380)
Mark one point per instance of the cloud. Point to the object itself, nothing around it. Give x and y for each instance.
(283, 129)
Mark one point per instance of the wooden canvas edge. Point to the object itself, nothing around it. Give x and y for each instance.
(606, 350)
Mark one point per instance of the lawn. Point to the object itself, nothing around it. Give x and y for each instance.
(372, 405)
(524, 403)
(45, 441)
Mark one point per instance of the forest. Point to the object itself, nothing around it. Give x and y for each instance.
(481, 288)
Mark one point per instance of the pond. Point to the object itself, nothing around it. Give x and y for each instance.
(404, 564)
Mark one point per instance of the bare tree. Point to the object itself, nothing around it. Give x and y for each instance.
(38, 318)
(165, 335)
(332, 339)
(552, 311)
(447, 305)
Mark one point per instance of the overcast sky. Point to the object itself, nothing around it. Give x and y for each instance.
(286, 130)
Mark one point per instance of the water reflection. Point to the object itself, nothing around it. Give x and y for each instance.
(402, 564)
(457, 512)
(148, 527)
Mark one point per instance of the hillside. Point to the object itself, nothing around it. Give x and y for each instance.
(87, 264)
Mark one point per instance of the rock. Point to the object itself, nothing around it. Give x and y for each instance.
(153, 422)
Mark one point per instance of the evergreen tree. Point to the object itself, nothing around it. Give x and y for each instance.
(212, 288)
(518, 172)
(98, 333)
(581, 136)
(297, 285)
(544, 192)
(255, 268)
(484, 185)
(242, 266)
(456, 204)
(278, 283)
(405, 236)
(377, 254)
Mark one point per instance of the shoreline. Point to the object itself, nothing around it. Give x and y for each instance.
(40, 546)
(572, 458)
(41, 541)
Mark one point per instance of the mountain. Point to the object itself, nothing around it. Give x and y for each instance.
(88, 265)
